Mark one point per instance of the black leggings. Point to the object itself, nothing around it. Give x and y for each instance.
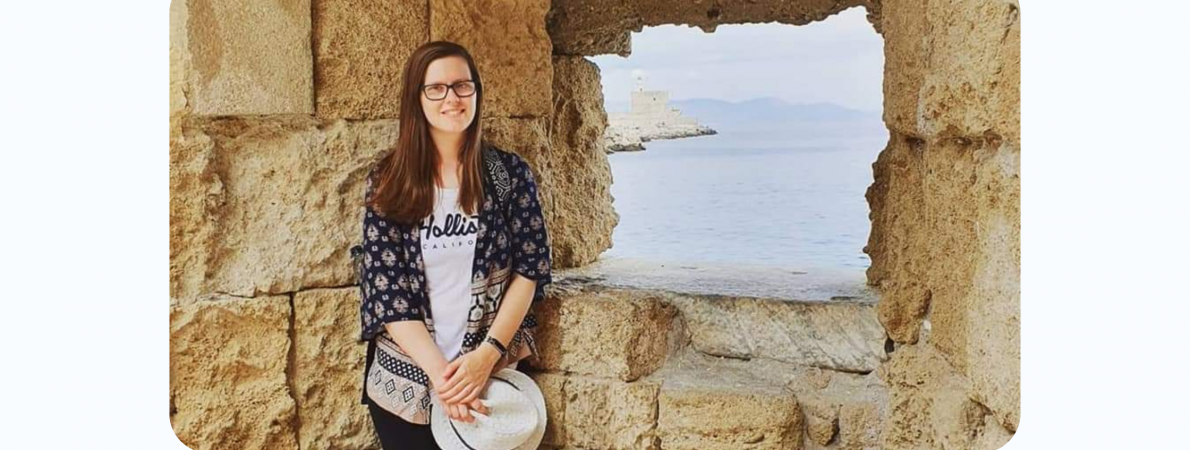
(398, 434)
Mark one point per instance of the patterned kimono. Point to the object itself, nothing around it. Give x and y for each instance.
(512, 239)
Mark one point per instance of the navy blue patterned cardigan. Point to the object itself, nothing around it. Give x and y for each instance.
(512, 239)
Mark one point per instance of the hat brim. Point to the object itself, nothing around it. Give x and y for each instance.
(447, 439)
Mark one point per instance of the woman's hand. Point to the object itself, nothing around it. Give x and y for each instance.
(455, 411)
(467, 375)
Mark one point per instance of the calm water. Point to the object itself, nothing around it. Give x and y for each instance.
(746, 198)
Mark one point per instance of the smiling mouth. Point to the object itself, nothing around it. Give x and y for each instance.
(453, 113)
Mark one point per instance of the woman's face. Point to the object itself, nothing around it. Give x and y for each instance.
(452, 114)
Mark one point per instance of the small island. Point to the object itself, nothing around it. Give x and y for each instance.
(649, 117)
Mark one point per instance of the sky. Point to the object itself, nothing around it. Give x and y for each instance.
(839, 60)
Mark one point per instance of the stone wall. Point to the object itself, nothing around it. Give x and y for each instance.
(278, 108)
(945, 240)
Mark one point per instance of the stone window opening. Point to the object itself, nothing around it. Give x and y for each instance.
(821, 236)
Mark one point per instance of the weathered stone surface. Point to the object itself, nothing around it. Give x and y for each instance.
(580, 175)
(508, 40)
(974, 204)
(860, 424)
(842, 410)
(195, 193)
(974, 78)
(905, 29)
(946, 222)
(896, 243)
(227, 383)
(611, 333)
(957, 201)
(594, 27)
(179, 58)
(552, 387)
(268, 205)
(360, 51)
(822, 422)
(838, 409)
(617, 42)
(952, 67)
(248, 58)
(328, 366)
(848, 414)
(835, 335)
(929, 405)
(610, 414)
(709, 414)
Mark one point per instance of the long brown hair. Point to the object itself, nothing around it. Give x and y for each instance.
(408, 173)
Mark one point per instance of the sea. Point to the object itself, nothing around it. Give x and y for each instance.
(767, 198)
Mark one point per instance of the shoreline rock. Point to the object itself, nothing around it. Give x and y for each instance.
(617, 140)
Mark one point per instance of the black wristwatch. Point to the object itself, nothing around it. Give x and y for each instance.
(499, 347)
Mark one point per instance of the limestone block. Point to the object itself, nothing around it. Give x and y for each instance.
(836, 335)
(708, 16)
(509, 42)
(846, 412)
(268, 205)
(595, 27)
(360, 51)
(860, 424)
(974, 203)
(227, 383)
(195, 194)
(610, 414)
(707, 416)
(179, 57)
(589, 28)
(974, 77)
(328, 370)
(590, 43)
(611, 333)
(248, 57)
(957, 201)
(581, 178)
(952, 68)
(822, 422)
(929, 405)
(897, 241)
(552, 387)
(906, 43)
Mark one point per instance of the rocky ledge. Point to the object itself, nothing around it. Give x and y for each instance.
(632, 139)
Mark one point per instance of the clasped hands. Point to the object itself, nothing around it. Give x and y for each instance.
(463, 379)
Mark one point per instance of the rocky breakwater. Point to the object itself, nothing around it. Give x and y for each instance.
(649, 117)
(630, 138)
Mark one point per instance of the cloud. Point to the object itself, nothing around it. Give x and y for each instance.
(839, 60)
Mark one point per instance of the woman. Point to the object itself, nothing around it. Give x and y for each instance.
(455, 252)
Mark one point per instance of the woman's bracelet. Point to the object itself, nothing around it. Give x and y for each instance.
(499, 347)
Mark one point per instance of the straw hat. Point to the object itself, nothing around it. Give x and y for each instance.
(516, 419)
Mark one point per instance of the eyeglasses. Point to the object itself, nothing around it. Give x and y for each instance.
(438, 91)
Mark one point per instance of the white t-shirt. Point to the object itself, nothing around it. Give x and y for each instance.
(448, 249)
